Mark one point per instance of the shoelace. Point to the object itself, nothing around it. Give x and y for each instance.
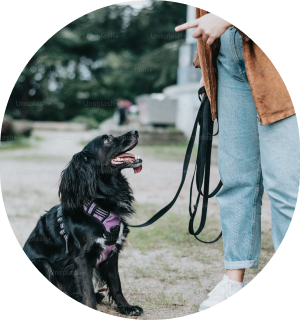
(224, 289)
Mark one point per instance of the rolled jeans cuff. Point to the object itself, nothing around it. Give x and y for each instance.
(234, 265)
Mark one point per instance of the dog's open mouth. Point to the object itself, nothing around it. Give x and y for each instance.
(129, 158)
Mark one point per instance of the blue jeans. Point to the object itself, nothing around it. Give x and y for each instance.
(251, 158)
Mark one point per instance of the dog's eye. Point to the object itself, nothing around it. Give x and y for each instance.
(106, 140)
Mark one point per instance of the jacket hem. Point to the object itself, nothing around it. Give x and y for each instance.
(271, 118)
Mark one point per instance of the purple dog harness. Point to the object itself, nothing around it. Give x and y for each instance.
(109, 220)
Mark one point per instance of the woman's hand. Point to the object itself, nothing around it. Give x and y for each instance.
(209, 27)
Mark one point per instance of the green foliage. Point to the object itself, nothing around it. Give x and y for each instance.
(114, 52)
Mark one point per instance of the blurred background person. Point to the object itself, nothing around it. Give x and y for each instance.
(124, 108)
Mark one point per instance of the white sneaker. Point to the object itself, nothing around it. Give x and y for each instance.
(224, 289)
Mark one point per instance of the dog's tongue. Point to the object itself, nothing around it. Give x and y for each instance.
(131, 157)
(138, 169)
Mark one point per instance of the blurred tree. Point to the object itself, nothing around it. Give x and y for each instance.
(85, 67)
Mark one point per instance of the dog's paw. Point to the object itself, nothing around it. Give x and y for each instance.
(130, 310)
(99, 297)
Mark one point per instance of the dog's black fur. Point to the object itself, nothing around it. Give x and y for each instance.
(90, 175)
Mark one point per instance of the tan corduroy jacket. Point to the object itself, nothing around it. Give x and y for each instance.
(272, 100)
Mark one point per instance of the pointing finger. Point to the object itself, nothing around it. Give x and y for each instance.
(187, 25)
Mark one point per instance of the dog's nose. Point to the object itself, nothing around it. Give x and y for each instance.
(134, 132)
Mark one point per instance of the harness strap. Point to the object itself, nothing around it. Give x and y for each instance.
(59, 217)
(92, 209)
(100, 215)
(202, 170)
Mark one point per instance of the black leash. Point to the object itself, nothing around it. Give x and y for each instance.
(202, 170)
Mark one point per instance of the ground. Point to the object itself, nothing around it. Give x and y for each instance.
(165, 270)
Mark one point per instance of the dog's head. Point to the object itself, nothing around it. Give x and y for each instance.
(102, 158)
(114, 154)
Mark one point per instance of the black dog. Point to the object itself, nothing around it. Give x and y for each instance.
(76, 245)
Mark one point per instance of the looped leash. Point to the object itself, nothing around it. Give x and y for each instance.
(202, 170)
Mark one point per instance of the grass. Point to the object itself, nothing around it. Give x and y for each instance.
(15, 144)
(164, 273)
(20, 143)
(161, 299)
(83, 142)
(39, 138)
(172, 231)
(166, 301)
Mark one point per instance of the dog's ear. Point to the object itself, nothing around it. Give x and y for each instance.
(78, 182)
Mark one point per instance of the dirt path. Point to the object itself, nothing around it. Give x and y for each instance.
(165, 271)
